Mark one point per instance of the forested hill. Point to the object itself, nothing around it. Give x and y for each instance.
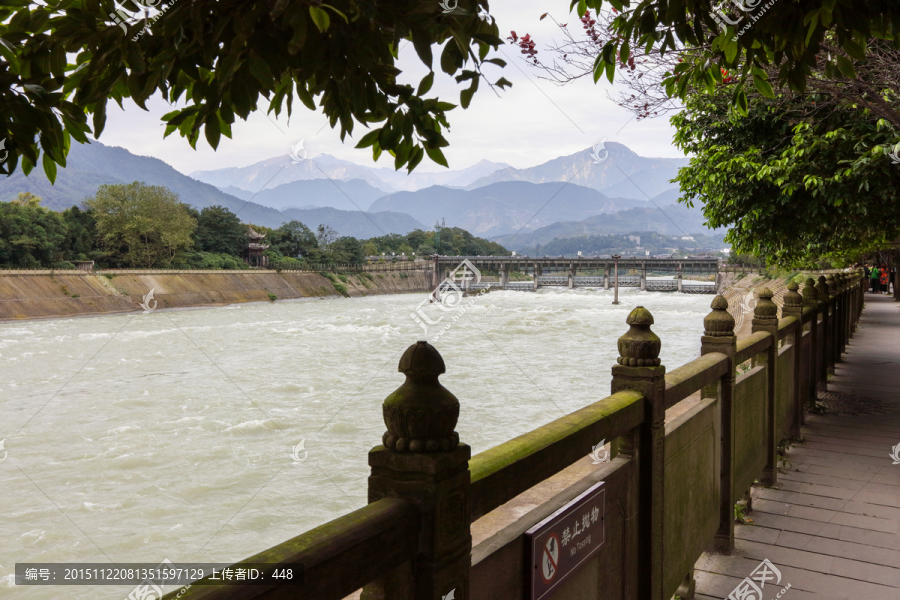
(91, 165)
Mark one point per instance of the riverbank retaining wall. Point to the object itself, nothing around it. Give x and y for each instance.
(65, 294)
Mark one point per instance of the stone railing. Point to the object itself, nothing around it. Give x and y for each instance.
(670, 487)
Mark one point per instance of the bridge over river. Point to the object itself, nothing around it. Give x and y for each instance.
(684, 275)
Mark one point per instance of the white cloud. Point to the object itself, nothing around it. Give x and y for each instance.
(532, 122)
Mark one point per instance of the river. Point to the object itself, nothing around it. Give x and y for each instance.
(141, 437)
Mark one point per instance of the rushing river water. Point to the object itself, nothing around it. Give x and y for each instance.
(141, 437)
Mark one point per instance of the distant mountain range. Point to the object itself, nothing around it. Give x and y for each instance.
(353, 194)
(619, 172)
(91, 165)
(671, 219)
(610, 191)
(503, 207)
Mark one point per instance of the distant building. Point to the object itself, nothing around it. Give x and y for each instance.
(255, 253)
(688, 237)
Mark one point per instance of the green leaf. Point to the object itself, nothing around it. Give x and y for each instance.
(763, 86)
(731, 49)
(212, 131)
(846, 67)
(437, 156)
(368, 139)
(320, 18)
(49, 167)
(425, 84)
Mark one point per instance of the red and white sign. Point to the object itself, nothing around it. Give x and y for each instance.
(562, 542)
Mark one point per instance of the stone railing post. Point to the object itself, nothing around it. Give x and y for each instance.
(793, 307)
(639, 369)
(765, 318)
(718, 336)
(810, 300)
(834, 338)
(827, 336)
(841, 305)
(422, 461)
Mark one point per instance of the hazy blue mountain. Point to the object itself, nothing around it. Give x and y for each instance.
(279, 170)
(417, 180)
(673, 219)
(503, 207)
(354, 223)
(354, 194)
(91, 165)
(610, 176)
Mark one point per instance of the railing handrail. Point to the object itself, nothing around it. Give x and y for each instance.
(500, 474)
(752, 345)
(375, 538)
(693, 376)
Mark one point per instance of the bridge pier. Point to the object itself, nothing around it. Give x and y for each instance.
(680, 285)
(643, 277)
(504, 277)
(537, 276)
(571, 276)
(606, 279)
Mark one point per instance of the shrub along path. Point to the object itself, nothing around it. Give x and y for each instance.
(832, 523)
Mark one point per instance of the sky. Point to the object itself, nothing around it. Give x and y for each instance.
(530, 123)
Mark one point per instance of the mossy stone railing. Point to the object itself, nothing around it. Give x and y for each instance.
(671, 485)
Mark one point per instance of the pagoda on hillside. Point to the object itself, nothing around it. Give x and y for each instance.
(255, 253)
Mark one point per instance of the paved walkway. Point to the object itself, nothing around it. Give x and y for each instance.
(832, 526)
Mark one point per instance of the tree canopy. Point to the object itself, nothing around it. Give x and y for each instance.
(142, 224)
(796, 179)
(787, 42)
(225, 59)
(220, 231)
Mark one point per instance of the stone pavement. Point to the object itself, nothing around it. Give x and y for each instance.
(832, 524)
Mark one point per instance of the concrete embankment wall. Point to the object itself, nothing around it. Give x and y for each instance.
(42, 295)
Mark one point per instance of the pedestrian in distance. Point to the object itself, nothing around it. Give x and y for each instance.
(873, 277)
(884, 279)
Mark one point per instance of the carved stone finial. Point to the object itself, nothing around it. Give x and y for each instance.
(421, 414)
(810, 293)
(792, 299)
(765, 309)
(822, 287)
(639, 347)
(718, 323)
(832, 284)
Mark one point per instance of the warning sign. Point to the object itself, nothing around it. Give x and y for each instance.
(562, 542)
(550, 560)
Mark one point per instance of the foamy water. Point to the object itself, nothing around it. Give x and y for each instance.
(136, 438)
